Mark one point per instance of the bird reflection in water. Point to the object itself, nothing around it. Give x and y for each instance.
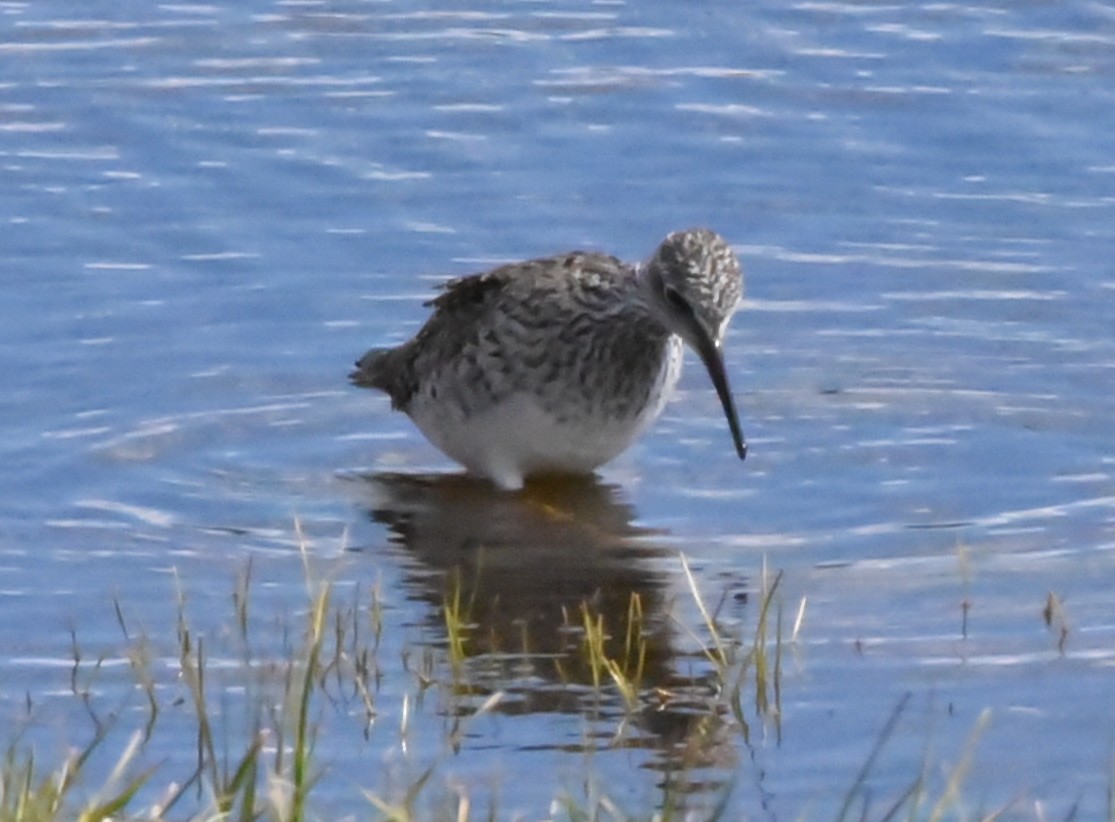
(526, 568)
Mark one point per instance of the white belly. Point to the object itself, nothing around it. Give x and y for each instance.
(517, 437)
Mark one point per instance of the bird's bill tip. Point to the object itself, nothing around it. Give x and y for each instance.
(714, 364)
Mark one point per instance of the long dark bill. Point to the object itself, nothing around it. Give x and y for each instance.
(709, 352)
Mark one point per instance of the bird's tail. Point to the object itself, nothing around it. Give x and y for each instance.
(371, 370)
(390, 370)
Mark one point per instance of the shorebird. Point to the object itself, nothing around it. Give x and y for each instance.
(556, 365)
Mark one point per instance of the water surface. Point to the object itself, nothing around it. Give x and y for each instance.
(211, 209)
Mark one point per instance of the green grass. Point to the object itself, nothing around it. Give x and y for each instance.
(261, 762)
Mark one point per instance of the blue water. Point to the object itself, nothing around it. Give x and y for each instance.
(210, 209)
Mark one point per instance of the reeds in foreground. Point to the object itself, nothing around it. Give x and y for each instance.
(265, 766)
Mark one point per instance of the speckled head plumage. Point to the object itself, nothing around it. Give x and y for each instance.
(698, 267)
(693, 283)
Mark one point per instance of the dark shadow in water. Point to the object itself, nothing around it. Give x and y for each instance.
(525, 562)
(526, 565)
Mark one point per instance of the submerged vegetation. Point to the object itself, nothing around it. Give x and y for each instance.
(258, 700)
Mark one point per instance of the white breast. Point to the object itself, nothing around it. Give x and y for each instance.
(518, 437)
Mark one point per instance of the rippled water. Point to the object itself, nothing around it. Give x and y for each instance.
(210, 209)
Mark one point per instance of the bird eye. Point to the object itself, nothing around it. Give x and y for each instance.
(674, 299)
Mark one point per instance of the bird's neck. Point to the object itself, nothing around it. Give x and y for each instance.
(647, 293)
